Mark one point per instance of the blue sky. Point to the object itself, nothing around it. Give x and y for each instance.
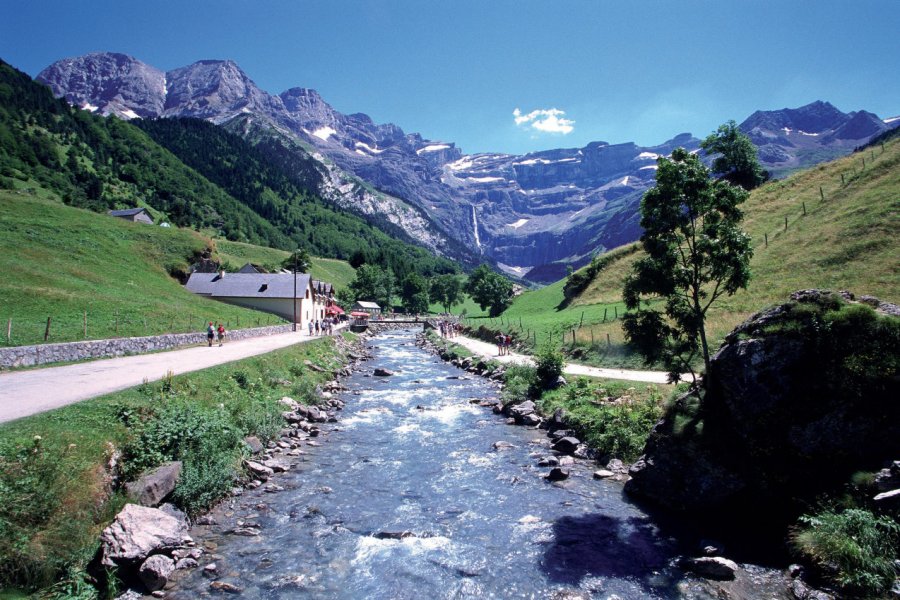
(456, 70)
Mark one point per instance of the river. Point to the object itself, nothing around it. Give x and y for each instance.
(415, 453)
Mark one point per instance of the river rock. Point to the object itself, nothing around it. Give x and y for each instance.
(394, 535)
(889, 499)
(548, 461)
(566, 445)
(558, 474)
(187, 563)
(710, 567)
(139, 531)
(313, 366)
(379, 372)
(253, 444)
(523, 408)
(225, 587)
(557, 421)
(155, 571)
(258, 470)
(531, 420)
(603, 474)
(502, 445)
(153, 486)
(888, 479)
(289, 402)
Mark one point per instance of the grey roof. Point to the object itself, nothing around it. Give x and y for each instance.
(127, 212)
(248, 285)
(364, 304)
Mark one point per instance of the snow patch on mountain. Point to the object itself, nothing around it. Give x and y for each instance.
(432, 148)
(323, 133)
(518, 223)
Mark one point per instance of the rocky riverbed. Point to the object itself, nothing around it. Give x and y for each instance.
(414, 488)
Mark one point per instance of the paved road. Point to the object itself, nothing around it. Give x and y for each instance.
(490, 350)
(24, 393)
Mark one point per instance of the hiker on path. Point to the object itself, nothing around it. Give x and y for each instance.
(221, 333)
(210, 334)
(310, 328)
(499, 344)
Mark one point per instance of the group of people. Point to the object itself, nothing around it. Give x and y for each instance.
(503, 343)
(323, 327)
(449, 329)
(213, 331)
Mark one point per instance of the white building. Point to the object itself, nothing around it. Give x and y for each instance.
(268, 292)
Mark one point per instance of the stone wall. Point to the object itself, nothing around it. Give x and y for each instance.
(26, 356)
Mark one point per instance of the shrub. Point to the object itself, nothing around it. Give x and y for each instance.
(205, 439)
(549, 365)
(519, 383)
(615, 429)
(854, 548)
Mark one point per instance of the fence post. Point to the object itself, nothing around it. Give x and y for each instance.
(804, 208)
(592, 337)
(864, 163)
(581, 323)
(520, 322)
(8, 330)
(842, 179)
(604, 314)
(608, 343)
(47, 330)
(616, 310)
(821, 193)
(573, 338)
(767, 239)
(785, 222)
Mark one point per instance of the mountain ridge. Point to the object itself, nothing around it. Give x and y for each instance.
(550, 207)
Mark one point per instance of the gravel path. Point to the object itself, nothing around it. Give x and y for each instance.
(490, 351)
(24, 393)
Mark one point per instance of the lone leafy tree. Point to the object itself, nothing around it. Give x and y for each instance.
(490, 290)
(737, 160)
(696, 253)
(446, 290)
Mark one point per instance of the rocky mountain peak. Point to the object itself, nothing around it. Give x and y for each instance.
(212, 89)
(109, 83)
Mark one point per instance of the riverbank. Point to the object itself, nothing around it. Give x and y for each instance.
(419, 491)
(62, 471)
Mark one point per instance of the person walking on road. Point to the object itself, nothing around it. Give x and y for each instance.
(210, 334)
(310, 328)
(221, 333)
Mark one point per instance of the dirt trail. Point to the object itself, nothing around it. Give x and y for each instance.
(490, 351)
(24, 393)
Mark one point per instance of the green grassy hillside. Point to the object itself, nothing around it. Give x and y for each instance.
(62, 262)
(237, 254)
(847, 238)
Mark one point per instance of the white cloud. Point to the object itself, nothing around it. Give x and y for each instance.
(547, 120)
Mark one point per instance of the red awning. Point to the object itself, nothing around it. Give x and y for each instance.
(334, 309)
(359, 314)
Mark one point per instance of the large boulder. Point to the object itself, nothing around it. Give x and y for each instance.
(153, 486)
(799, 397)
(139, 531)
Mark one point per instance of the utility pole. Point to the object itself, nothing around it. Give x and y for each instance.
(294, 299)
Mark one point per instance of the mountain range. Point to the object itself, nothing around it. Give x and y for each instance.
(532, 215)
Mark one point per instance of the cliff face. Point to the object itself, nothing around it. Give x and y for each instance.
(800, 397)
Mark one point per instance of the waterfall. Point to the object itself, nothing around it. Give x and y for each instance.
(475, 227)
